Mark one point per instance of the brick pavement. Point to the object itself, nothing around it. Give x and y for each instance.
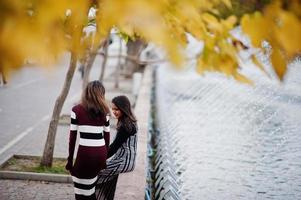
(35, 190)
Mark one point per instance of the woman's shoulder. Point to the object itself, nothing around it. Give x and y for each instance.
(130, 128)
(77, 108)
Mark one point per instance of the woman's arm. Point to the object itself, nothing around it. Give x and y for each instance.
(120, 138)
(107, 131)
(72, 139)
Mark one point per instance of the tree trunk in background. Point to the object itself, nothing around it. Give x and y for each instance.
(88, 66)
(134, 49)
(118, 67)
(49, 145)
(89, 63)
(105, 58)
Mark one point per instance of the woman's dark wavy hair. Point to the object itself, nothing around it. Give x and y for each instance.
(93, 99)
(127, 119)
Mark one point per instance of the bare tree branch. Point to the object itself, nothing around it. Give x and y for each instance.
(134, 59)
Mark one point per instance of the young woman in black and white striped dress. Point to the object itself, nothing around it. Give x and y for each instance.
(123, 149)
(90, 118)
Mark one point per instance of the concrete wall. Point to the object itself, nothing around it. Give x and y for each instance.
(132, 185)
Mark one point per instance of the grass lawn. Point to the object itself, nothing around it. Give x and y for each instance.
(32, 164)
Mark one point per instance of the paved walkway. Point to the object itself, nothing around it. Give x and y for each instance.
(34, 190)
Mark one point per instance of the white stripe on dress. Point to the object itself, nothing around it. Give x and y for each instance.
(90, 129)
(84, 192)
(73, 127)
(91, 142)
(73, 115)
(84, 181)
(107, 128)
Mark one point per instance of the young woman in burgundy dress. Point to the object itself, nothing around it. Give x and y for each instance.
(122, 151)
(90, 119)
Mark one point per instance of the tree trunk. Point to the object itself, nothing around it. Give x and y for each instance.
(134, 49)
(88, 66)
(49, 145)
(117, 72)
(105, 58)
(90, 61)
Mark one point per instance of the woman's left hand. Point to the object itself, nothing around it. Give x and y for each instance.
(68, 166)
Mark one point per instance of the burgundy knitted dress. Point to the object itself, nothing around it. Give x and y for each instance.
(92, 150)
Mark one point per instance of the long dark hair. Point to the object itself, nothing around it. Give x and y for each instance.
(127, 119)
(93, 99)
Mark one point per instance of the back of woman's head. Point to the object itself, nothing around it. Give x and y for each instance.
(93, 99)
(124, 105)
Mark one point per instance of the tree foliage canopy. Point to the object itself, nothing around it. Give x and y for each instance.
(42, 30)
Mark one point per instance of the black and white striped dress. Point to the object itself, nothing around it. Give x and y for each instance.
(123, 150)
(92, 150)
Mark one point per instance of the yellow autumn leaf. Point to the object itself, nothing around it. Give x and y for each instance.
(49, 12)
(241, 78)
(212, 22)
(215, 12)
(229, 22)
(227, 3)
(197, 30)
(288, 33)
(278, 62)
(200, 66)
(226, 48)
(295, 7)
(271, 11)
(213, 63)
(256, 27)
(164, 23)
(227, 65)
(258, 64)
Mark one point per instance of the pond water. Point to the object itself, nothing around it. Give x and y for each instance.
(230, 140)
